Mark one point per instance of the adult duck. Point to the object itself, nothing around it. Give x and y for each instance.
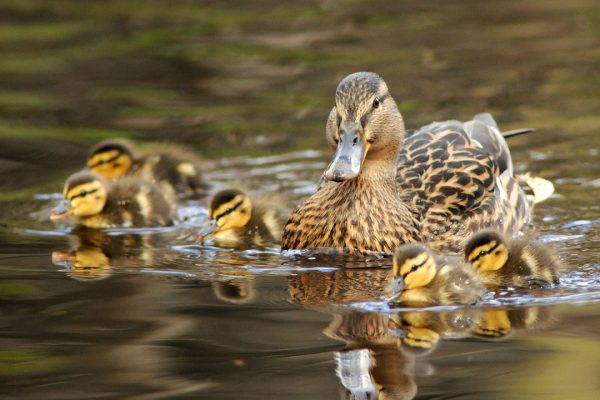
(384, 188)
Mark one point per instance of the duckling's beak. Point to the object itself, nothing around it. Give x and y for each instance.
(208, 230)
(348, 157)
(62, 210)
(394, 289)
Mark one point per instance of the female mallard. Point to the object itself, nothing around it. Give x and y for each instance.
(175, 170)
(236, 219)
(419, 279)
(517, 262)
(439, 185)
(128, 203)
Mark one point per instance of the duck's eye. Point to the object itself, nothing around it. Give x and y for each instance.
(376, 103)
(101, 162)
(83, 193)
(230, 209)
(482, 253)
(414, 268)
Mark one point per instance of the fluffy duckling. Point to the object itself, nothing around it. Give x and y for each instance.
(236, 219)
(174, 169)
(95, 203)
(518, 262)
(420, 279)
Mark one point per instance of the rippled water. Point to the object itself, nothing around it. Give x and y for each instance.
(150, 313)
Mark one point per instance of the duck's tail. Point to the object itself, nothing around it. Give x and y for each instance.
(541, 189)
(487, 119)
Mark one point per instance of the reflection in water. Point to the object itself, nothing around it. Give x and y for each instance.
(94, 254)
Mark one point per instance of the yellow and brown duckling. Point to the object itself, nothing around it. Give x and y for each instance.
(236, 219)
(95, 203)
(174, 169)
(516, 262)
(382, 188)
(421, 279)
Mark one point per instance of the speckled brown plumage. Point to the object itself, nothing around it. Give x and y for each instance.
(438, 186)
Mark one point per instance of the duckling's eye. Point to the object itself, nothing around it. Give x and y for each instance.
(482, 253)
(414, 268)
(101, 162)
(83, 193)
(230, 209)
(376, 102)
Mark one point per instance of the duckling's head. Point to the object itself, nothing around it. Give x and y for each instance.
(486, 251)
(365, 125)
(229, 209)
(85, 195)
(414, 266)
(111, 158)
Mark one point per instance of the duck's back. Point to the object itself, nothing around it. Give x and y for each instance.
(458, 178)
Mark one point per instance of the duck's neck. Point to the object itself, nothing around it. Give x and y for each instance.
(379, 171)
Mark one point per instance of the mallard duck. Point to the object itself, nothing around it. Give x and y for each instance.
(516, 262)
(438, 185)
(419, 279)
(96, 203)
(235, 219)
(174, 169)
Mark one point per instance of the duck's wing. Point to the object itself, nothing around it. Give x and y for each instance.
(458, 185)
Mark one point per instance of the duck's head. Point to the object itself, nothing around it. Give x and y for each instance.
(111, 158)
(414, 266)
(229, 209)
(85, 195)
(365, 126)
(486, 251)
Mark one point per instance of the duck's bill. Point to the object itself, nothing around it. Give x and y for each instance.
(394, 289)
(62, 210)
(348, 157)
(207, 231)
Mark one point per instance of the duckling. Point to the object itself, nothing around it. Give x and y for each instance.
(382, 189)
(130, 202)
(235, 219)
(518, 262)
(174, 169)
(419, 279)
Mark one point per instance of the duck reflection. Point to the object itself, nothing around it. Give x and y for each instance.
(371, 366)
(378, 361)
(95, 254)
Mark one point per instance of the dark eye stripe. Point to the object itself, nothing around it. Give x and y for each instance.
(229, 210)
(485, 253)
(106, 161)
(86, 193)
(411, 270)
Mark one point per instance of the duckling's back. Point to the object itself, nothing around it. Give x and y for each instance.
(133, 202)
(456, 283)
(175, 169)
(530, 263)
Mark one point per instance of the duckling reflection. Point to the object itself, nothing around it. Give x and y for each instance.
(420, 332)
(516, 262)
(238, 219)
(176, 170)
(500, 323)
(237, 291)
(371, 366)
(94, 254)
